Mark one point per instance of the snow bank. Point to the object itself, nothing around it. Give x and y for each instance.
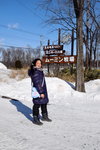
(20, 90)
(93, 86)
(2, 67)
(4, 73)
(93, 89)
(59, 91)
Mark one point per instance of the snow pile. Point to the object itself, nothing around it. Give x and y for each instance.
(93, 86)
(17, 89)
(4, 73)
(2, 67)
(59, 91)
(93, 89)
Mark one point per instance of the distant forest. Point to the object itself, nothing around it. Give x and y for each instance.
(18, 56)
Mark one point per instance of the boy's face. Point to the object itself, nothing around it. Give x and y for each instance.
(38, 64)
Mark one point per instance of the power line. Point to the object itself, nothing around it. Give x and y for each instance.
(11, 46)
(5, 26)
(22, 37)
(20, 30)
(31, 10)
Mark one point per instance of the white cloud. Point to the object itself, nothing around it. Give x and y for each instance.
(13, 26)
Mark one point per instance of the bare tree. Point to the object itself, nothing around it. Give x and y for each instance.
(24, 55)
(63, 14)
(91, 24)
(79, 7)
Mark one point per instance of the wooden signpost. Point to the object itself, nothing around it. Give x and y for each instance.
(56, 54)
(59, 59)
(50, 47)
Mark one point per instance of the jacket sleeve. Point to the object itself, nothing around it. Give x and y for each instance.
(37, 82)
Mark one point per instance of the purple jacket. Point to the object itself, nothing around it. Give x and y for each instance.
(37, 77)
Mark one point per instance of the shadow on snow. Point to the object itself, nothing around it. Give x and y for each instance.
(71, 85)
(25, 110)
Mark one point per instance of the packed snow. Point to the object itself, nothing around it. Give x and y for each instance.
(75, 116)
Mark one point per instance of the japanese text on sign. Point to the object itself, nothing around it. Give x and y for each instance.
(59, 59)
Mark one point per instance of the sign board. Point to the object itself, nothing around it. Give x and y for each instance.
(54, 52)
(49, 47)
(59, 59)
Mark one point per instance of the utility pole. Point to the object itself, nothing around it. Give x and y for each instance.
(59, 42)
(59, 33)
(41, 46)
(48, 42)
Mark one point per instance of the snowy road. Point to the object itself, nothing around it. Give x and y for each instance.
(75, 126)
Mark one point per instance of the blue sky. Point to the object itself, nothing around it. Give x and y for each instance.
(23, 14)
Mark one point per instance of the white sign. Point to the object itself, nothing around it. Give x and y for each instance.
(66, 59)
(53, 52)
(71, 59)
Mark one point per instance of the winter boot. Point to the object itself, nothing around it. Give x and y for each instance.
(37, 121)
(45, 118)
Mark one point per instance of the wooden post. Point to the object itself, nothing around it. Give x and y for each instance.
(72, 50)
(59, 42)
(48, 63)
(59, 32)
